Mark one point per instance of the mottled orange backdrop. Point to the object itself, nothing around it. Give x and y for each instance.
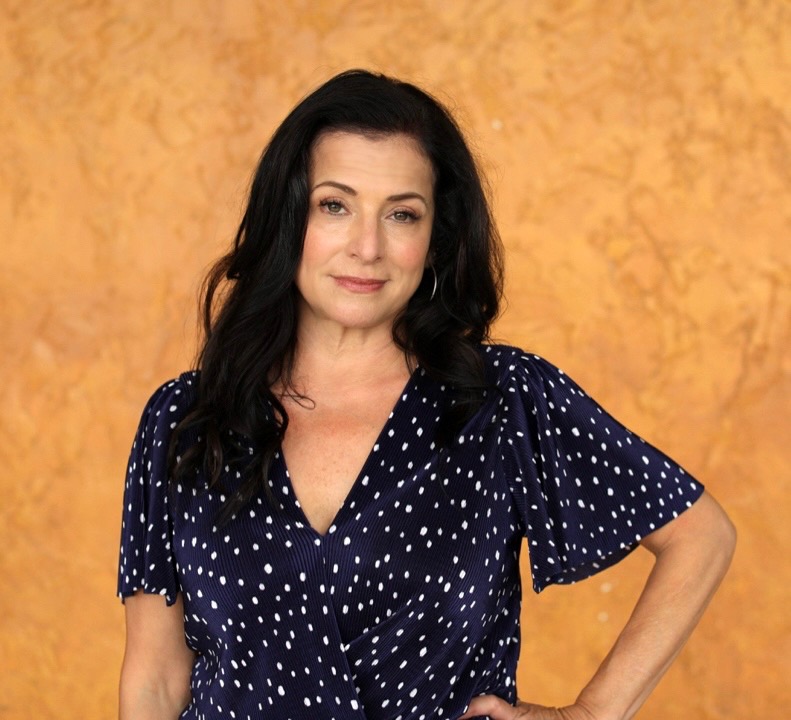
(640, 158)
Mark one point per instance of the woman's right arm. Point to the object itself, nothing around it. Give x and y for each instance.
(155, 676)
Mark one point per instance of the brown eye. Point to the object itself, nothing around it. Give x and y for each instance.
(333, 207)
(404, 216)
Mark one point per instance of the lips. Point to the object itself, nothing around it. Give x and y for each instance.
(358, 284)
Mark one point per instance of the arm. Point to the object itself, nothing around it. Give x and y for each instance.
(157, 663)
(692, 555)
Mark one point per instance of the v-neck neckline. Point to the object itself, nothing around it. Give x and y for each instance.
(363, 474)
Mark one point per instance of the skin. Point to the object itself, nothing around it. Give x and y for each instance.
(157, 662)
(365, 252)
(367, 238)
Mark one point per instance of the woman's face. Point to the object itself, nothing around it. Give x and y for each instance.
(369, 226)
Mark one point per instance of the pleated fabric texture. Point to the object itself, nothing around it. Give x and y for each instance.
(409, 606)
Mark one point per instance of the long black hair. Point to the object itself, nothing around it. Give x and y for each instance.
(250, 301)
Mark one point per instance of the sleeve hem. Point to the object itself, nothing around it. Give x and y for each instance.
(170, 597)
(573, 573)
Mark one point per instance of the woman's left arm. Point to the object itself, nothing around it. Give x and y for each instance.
(692, 555)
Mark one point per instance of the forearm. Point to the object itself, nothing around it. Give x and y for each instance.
(151, 703)
(155, 675)
(686, 574)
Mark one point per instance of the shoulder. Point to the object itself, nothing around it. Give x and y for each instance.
(529, 381)
(170, 403)
(508, 366)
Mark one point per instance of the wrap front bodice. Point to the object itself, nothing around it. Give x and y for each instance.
(409, 605)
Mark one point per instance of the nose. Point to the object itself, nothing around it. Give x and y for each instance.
(367, 240)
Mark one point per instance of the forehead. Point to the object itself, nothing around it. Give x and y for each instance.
(346, 156)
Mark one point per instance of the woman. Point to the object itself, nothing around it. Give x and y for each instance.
(333, 505)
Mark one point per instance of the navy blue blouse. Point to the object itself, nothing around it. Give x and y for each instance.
(409, 606)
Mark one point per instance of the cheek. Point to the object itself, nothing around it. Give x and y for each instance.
(315, 250)
(414, 255)
(307, 261)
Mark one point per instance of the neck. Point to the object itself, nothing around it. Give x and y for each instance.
(338, 358)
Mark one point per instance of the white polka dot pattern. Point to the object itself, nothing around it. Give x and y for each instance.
(409, 606)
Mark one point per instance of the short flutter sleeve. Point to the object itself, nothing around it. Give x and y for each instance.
(587, 489)
(146, 558)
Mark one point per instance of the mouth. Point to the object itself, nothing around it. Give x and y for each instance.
(358, 284)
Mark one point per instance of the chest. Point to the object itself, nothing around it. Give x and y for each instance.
(418, 530)
(418, 524)
(326, 448)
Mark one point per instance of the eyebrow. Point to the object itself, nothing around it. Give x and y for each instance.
(351, 191)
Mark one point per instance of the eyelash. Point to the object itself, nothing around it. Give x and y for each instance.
(411, 215)
(331, 201)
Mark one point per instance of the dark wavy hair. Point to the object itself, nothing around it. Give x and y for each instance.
(250, 301)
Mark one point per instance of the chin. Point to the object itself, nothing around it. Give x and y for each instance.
(360, 318)
(357, 322)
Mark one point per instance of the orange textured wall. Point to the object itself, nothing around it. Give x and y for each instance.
(640, 155)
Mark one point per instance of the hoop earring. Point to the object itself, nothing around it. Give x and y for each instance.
(434, 289)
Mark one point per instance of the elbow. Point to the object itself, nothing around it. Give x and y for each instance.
(726, 539)
(720, 538)
(145, 695)
(705, 533)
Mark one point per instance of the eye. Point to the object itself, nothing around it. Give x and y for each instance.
(331, 206)
(405, 216)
